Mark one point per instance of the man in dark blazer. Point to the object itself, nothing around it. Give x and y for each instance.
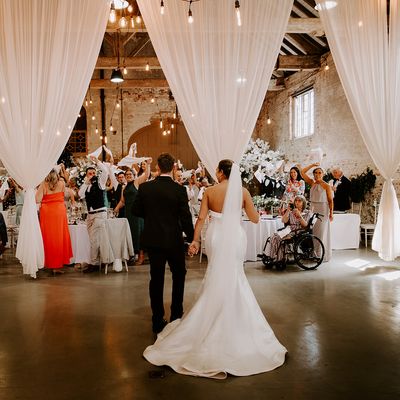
(341, 187)
(163, 204)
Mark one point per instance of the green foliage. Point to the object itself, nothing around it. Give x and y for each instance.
(361, 185)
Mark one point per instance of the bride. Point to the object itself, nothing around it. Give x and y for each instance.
(225, 331)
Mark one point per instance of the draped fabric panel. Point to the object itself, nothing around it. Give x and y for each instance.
(367, 58)
(48, 50)
(218, 71)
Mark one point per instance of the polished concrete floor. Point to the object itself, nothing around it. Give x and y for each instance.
(81, 336)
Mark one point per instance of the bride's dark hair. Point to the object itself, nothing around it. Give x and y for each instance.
(225, 166)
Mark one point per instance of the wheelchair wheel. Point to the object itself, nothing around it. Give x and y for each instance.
(267, 261)
(308, 252)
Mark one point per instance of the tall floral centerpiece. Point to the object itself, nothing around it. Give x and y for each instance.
(258, 166)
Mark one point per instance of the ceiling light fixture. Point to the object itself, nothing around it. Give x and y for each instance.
(327, 5)
(162, 7)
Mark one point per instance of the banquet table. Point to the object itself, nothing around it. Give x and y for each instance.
(115, 238)
(345, 231)
(257, 234)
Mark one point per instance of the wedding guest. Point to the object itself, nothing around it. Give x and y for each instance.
(93, 190)
(204, 184)
(193, 193)
(321, 198)
(163, 205)
(128, 196)
(53, 222)
(341, 187)
(3, 234)
(296, 218)
(295, 186)
(19, 200)
(117, 194)
(9, 197)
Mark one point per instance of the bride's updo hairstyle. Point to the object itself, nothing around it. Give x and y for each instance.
(225, 166)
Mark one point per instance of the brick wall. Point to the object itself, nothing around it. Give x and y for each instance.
(336, 132)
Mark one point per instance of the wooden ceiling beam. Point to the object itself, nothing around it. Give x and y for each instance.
(129, 84)
(298, 63)
(128, 62)
(295, 25)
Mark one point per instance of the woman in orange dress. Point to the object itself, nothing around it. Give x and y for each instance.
(53, 222)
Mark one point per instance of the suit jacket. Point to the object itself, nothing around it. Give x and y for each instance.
(163, 204)
(342, 200)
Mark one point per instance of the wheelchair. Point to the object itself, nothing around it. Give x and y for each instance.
(301, 248)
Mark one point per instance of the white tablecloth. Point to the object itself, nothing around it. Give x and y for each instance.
(257, 234)
(116, 242)
(345, 231)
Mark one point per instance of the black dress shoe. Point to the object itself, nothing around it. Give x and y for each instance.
(90, 268)
(159, 326)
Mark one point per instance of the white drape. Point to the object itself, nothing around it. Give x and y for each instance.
(48, 50)
(218, 72)
(368, 62)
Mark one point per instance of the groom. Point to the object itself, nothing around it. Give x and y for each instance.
(163, 204)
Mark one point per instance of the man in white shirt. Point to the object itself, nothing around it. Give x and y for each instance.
(93, 191)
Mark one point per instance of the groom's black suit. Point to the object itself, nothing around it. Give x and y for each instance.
(164, 206)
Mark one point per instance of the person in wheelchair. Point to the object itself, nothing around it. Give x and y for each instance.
(295, 218)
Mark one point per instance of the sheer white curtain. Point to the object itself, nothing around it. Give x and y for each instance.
(368, 62)
(48, 50)
(218, 72)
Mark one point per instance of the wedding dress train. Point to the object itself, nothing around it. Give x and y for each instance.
(225, 331)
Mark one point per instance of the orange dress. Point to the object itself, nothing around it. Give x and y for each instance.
(55, 233)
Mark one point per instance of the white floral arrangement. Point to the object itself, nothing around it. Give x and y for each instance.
(260, 161)
(264, 202)
(79, 171)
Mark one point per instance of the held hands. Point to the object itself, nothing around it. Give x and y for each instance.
(194, 248)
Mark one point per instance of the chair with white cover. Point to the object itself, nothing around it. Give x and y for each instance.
(368, 229)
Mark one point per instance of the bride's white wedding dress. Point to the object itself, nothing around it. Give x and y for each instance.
(225, 331)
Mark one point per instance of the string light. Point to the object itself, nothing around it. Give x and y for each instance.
(97, 130)
(111, 127)
(113, 15)
(268, 120)
(123, 22)
(162, 7)
(130, 8)
(118, 105)
(161, 123)
(147, 68)
(164, 133)
(138, 19)
(125, 70)
(237, 8)
(93, 117)
(105, 139)
(326, 67)
(101, 137)
(152, 100)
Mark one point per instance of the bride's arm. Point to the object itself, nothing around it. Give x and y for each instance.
(203, 214)
(249, 208)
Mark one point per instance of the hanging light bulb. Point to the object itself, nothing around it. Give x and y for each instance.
(174, 115)
(162, 7)
(105, 139)
(132, 22)
(118, 105)
(111, 127)
(123, 22)
(161, 123)
(130, 8)
(326, 67)
(268, 120)
(237, 8)
(190, 16)
(164, 133)
(86, 102)
(147, 68)
(113, 15)
(172, 126)
(93, 117)
(169, 132)
(125, 70)
(101, 137)
(138, 19)
(90, 100)
(152, 100)
(97, 130)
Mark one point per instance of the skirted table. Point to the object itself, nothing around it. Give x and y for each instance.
(115, 242)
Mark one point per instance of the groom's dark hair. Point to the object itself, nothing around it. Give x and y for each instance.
(165, 162)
